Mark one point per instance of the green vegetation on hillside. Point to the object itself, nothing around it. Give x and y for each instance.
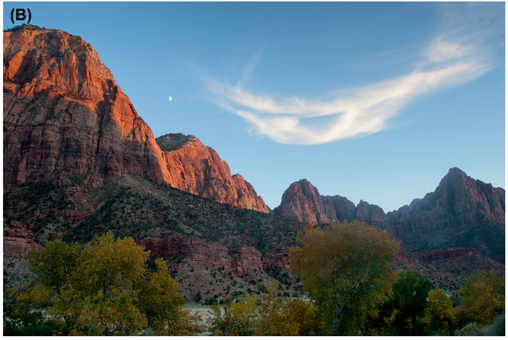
(134, 206)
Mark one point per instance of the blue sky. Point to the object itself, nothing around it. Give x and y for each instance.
(372, 101)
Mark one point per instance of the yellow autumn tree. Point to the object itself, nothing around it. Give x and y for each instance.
(104, 289)
(482, 297)
(346, 268)
(104, 286)
(438, 314)
(160, 301)
(283, 316)
(237, 318)
(266, 315)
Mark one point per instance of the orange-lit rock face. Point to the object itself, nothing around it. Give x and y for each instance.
(63, 112)
(198, 169)
(64, 115)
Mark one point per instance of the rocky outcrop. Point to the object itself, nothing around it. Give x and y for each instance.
(271, 261)
(212, 255)
(245, 259)
(65, 117)
(240, 261)
(198, 169)
(18, 240)
(64, 114)
(302, 201)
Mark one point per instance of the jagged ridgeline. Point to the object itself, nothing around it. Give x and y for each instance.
(460, 213)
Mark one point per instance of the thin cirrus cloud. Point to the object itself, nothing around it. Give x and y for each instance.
(357, 112)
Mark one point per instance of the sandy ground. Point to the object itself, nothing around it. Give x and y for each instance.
(204, 312)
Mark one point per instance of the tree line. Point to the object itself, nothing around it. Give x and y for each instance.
(106, 288)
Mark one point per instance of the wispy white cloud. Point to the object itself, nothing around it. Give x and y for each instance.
(454, 57)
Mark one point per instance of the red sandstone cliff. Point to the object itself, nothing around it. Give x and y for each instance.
(240, 261)
(198, 169)
(65, 117)
(302, 201)
(17, 240)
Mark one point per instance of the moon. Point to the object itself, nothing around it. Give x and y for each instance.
(170, 99)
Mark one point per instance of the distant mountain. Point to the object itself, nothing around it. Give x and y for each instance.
(65, 117)
(460, 213)
(303, 202)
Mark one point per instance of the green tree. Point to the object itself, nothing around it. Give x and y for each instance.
(346, 268)
(409, 299)
(22, 317)
(438, 314)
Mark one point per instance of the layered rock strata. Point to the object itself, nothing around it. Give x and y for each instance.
(240, 261)
(17, 240)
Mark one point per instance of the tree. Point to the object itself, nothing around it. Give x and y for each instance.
(160, 302)
(104, 288)
(439, 311)
(235, 319)
(410, 291)
(54, 263)
(266, 315)
(481, 297)
(282, 316)
(346, 268)
(21, 316)
(17, 280)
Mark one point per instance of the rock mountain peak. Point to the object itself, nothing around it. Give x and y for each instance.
(461, 212)
(65, 117)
